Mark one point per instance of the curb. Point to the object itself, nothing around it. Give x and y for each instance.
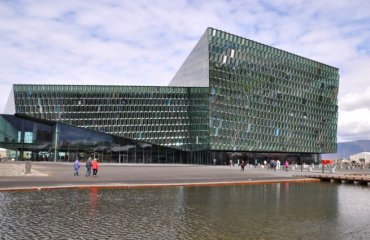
(159, 185)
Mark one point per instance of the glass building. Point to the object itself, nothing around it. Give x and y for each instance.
(42, 140)
(231, 98)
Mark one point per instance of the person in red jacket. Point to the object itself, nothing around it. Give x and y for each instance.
(95, 167)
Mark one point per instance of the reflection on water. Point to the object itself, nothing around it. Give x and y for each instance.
(274, 211)
(93, 198)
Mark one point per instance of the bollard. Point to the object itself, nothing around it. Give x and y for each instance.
(28, 166)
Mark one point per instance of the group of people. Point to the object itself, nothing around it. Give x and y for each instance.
(242, 164)
(90, 164)
(273, 164)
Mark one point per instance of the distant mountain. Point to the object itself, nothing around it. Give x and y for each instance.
(345, 149)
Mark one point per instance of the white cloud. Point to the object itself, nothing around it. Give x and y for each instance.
(144, 42)
(354, 125)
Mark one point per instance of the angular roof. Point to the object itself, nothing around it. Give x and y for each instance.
(194, 72)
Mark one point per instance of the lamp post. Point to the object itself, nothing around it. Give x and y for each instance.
(363, 165)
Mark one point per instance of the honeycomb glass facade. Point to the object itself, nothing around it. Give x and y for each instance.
(265, 99)
(169, 116)
(231, 95)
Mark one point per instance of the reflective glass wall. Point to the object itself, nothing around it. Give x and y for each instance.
(35, 140)
(30, 139)
(159, 115)
(268, 100)
(199, 115)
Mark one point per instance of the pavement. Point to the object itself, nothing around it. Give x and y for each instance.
(60, 176)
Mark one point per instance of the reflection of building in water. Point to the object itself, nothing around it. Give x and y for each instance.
(230, 95)
(93, 198)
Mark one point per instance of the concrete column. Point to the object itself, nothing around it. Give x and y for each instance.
(28, 166)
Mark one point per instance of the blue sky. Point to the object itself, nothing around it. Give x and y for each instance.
(144, 42)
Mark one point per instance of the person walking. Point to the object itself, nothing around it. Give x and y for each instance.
(272, 162)
(286, 165)
(88, 167)
(95, 167)
(214, 161)
(76, 167)
(242, 165)
(278, 164)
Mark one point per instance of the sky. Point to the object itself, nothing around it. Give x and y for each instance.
(144, 42)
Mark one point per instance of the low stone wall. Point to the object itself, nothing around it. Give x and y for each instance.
(11, 169)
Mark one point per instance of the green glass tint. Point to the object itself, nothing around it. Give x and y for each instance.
(159, 115)
(266, 99)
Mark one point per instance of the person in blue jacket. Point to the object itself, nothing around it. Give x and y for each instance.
(76, 167)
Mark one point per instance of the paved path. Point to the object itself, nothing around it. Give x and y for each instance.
(60, 175)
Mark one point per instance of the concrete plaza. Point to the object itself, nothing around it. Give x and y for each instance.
(60, 175)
